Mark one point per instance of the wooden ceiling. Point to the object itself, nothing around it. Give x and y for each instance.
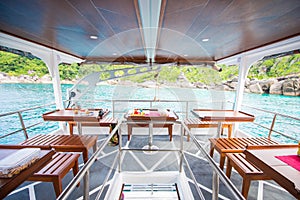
(231, 27)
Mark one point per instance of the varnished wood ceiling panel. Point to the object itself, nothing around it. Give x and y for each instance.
(232, 26)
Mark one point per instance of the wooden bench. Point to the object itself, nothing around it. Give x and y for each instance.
(247, 170)
(235, 145)
(57, 169)
(167, 125)
(197, 123)
(105, 122)
(64, 143)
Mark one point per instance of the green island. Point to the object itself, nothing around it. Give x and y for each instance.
(17, 65)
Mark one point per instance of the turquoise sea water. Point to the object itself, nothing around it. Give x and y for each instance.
(15, 97)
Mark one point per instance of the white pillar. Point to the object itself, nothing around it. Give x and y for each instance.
(245, 62)
(243, 71)
(52, 61)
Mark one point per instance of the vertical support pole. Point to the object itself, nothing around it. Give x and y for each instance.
(52, 61)
(150, 134)
(219, 129)
(272, 126)
(243, 71)
(23, 125)
(215, 186)
(120, 149)
(245, 62)
(79, 127)
(260, 191)
(52, 64)
(187, 110)
(181, 148)
(86, 185)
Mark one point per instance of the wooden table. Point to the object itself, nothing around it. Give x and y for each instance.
(151, 117)
(9, 184)
(69, 115)
(222, 116)
(285, 175)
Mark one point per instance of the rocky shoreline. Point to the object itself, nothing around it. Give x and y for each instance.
(288, 86)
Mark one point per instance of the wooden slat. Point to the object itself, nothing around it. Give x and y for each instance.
(57, 162)
(56, 165)
(235, 144)
(249, 168)
(48, 166)
(242, 165)
(60, 165)
(246, 141)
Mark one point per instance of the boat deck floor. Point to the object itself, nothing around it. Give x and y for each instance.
(160, 161)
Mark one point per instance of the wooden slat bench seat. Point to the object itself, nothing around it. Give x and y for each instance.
(197, 123)
(247, 170)
(64, 143)
(57, 169)
(167, 125)
(235, 145)
(105, 122)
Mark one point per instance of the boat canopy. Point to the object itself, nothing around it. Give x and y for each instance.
(151, 31)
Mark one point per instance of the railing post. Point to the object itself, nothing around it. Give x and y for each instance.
(215, 186)
(120, 149)
(86, 185)
(181, 149)
(187, 110)
(113, 108)
(23, 125)
(272, 126)
(150, 134)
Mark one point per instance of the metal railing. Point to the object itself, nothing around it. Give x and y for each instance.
(84, 173)
(273, 119)
(185, 106)
(183, 111)
(23, 128)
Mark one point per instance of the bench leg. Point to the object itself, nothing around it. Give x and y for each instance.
(57, 184)
(245, 187)
(76, 170)
(222, 160)
(170, 130)
(211, 152)
(228, 168)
